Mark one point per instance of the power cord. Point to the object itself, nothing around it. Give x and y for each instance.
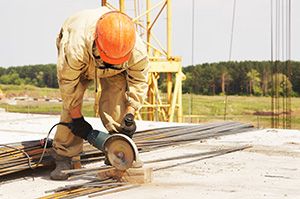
(45, 144)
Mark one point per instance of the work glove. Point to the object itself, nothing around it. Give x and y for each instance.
(128, 126)
(80, 127)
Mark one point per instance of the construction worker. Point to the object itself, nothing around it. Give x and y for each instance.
(103, 45)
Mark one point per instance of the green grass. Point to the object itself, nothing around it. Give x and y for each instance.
(37, 106)
(203, 108)
(33, 91)
(21, 90)
(239, 108)
(44, 108)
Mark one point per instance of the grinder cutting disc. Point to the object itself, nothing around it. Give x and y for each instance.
(119, 153)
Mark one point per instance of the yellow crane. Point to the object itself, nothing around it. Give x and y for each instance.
(158, 106)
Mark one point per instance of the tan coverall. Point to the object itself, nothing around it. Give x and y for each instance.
(79, 62)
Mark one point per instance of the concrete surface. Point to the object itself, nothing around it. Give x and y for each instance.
(270, 169)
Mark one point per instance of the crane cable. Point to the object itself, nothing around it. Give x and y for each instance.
(193, 30)
(230, 53)
(232, 29)
(280, 19)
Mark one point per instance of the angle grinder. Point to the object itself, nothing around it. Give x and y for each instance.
(120, 150)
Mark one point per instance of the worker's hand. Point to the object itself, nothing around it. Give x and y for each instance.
(128, 126)
(80, 127)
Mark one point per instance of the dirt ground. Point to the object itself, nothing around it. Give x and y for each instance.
(269, 169)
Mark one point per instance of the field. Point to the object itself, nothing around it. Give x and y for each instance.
(196, 108)
(239, 108)
(40, 107)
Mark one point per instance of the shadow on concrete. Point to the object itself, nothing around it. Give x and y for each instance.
(28, 174)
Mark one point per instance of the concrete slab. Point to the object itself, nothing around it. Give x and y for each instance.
(16, 127)
(268, 170)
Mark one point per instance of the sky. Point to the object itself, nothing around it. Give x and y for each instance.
(29, 28)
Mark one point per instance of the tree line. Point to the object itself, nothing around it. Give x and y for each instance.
(37, 75)
(242, 78)
(232, 78)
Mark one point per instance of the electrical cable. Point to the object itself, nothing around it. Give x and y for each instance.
(30, 164)
(47, 138)
(22, 151)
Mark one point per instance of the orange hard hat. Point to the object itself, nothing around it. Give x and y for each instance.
(115, 37)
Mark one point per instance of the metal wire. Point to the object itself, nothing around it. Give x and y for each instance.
(280, 62)
(30, 164)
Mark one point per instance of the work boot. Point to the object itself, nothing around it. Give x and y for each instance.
(62, 163)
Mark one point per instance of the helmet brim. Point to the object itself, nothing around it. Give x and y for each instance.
(110, 60)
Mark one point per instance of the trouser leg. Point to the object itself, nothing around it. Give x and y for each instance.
(112, 105)
(65, 142)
